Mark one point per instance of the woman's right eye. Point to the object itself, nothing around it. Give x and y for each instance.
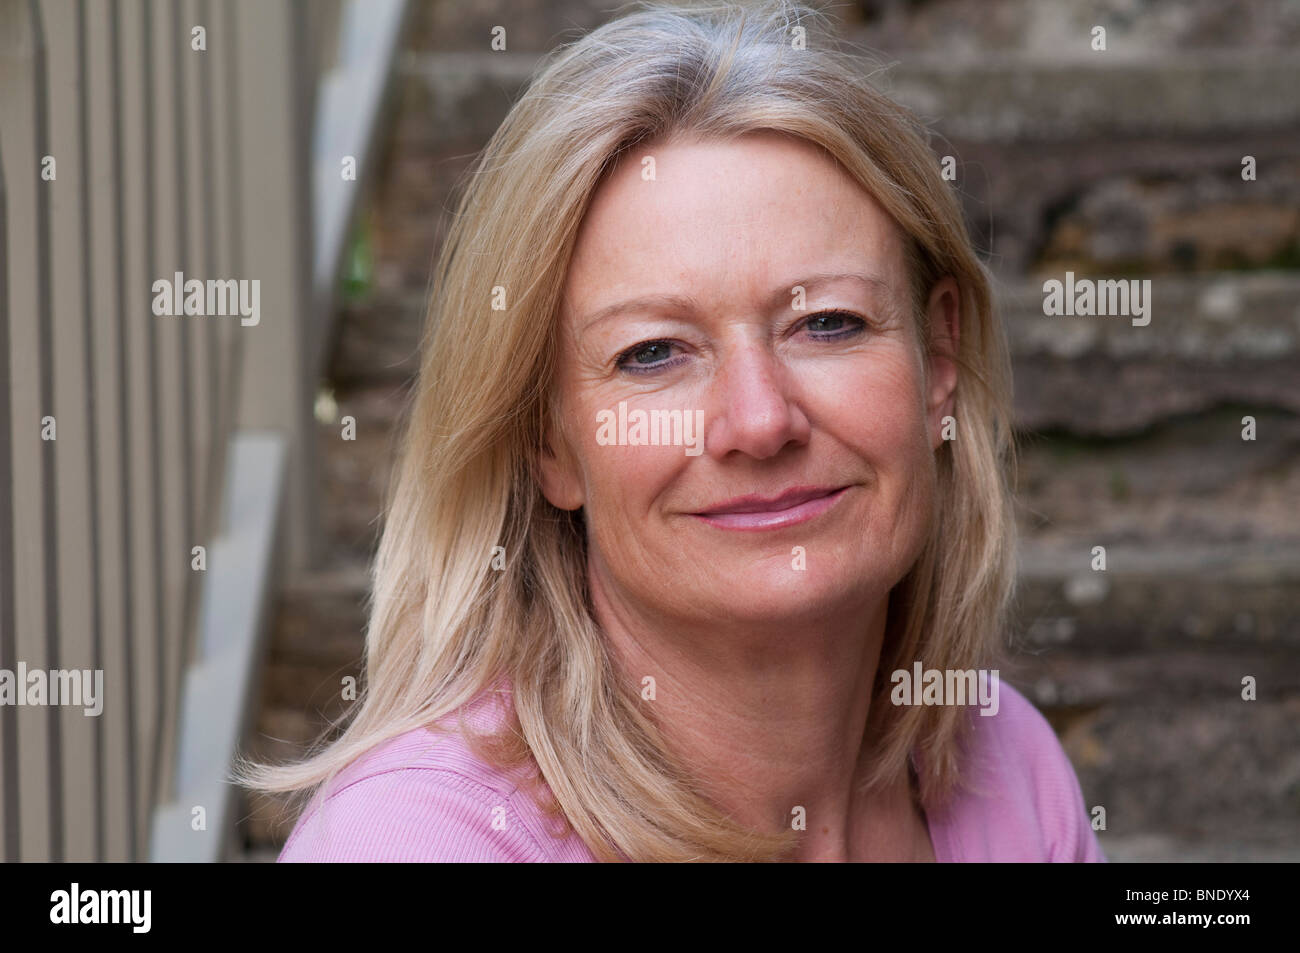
(649, 355)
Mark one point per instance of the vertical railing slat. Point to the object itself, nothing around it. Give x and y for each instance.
(162, 339)
(276, 109)
(74, 514)
(9, 37)
(20, 74)
(50, 660)
(189, 67)
(111, 426)
(138, 241)
(127, 214)
(169, 365)
(213, 85)
(203, 240)
(91, 310)
(226, 98)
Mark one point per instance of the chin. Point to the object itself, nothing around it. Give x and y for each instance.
(773, 590)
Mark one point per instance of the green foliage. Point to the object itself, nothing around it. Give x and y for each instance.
(358, 264)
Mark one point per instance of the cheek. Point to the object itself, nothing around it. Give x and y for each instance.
(625, 488)
(874, 405)
(624, 483)
(880, 419)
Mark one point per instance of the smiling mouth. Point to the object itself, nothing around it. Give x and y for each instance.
(797, 505)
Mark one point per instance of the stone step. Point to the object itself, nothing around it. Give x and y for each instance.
(1188, 479)
(1161, 595)
(1163, 740)
(355, 473)
(378, 341)
(1212, 340)
(1032, 133)
(1065, 681)
(466, 25)
(1061, 93)
(1275, 845)
(256, 855)
(1155, 28)
(1132, 206)
(1044, 95)
(950, 27)
(1192, 769)
(1210, 319)
(317, 640)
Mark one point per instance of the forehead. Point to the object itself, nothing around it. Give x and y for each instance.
(727, 220)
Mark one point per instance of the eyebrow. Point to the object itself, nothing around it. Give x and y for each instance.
(675, 302)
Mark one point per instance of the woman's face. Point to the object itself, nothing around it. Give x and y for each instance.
(807, 484)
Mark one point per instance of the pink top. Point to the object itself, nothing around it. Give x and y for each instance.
(425, 797)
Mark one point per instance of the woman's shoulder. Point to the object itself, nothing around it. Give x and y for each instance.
(1020, 799)
(424, 796)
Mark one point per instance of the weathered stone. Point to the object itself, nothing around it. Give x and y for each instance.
(378, 341)
(982, 27)
(1191, 479)
(465, 26)
(355, 473)
(1163, 595)
(1226, 770)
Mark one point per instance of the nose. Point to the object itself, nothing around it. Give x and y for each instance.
(754, 409)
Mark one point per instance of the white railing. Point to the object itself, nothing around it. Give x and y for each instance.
(156, 469)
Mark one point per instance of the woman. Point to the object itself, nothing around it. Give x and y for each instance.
(707, 457)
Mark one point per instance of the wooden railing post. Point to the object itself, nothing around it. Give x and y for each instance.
(33, 787)
(277, 388)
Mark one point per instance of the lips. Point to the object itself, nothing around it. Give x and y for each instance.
(795, 505)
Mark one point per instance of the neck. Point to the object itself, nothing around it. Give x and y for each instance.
(772, 717)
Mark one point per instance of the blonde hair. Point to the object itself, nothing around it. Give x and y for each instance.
(444, 626)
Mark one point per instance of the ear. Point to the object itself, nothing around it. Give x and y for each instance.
(560, 476)
(944, 312)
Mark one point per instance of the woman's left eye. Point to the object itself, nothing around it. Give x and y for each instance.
(833, 324)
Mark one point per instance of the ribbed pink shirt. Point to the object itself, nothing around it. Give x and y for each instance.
(424, 797)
